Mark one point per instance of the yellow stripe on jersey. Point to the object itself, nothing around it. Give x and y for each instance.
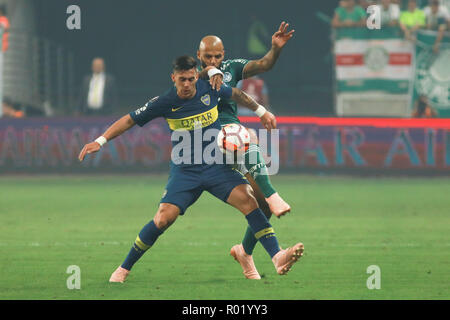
(263, 232)
(190, 123)
(141, 244)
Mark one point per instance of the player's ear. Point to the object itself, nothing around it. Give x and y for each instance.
(172, 76)
(198, 54)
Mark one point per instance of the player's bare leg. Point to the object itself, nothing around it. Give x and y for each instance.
(243, 199)
(254, 162)
(165, 216)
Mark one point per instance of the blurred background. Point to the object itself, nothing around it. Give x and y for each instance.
(334, 67)
(139, 39)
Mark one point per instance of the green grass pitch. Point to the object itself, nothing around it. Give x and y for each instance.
(401, 225)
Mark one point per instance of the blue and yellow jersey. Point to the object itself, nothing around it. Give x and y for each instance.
(201, 111)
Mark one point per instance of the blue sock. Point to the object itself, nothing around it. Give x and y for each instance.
(143, 242)
(263, 231)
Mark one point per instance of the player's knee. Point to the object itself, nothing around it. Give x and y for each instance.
(247, 201)
(165, 217)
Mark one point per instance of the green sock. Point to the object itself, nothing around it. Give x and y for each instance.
(256, 166)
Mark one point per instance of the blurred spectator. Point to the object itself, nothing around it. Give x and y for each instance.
(348, 14)
(423, 109)
(98, 92)
(390, 13)
(256, 88)
(4, 31)
(411, 20)
(437, 19)
(10, 111)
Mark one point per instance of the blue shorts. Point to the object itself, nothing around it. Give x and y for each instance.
(186, 184)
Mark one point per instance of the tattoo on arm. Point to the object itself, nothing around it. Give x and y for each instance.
(244, 99)
(264, 64)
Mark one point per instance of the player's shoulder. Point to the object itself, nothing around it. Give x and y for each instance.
(161, 100)
(203, 85)
(233, 62)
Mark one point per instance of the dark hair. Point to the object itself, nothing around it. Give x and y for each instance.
(184, 63)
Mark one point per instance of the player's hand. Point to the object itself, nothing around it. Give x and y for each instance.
(269, 121)
(88, 148)
(281, 37)
(216, 81)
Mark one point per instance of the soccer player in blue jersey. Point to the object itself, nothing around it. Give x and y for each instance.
(211, 54)
(189, 106)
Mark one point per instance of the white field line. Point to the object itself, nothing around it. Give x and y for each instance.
(207, 244)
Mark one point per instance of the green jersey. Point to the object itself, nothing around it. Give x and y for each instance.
(232, 73)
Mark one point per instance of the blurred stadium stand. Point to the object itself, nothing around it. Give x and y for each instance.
(39, 74)
(47, 62)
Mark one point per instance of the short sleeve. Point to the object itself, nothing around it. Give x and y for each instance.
(403, 18)
(225, 91)
(338, 12)
(154, 108)
(238, 67)
(421, 19)
(361, 13)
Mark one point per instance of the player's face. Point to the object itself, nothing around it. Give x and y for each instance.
(210, 57)
(185, 82)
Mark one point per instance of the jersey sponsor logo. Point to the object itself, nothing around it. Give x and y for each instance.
(175, 109)
(227, 77)
(193, 122)
(206, 99)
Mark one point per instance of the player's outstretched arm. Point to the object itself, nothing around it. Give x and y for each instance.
(279, 40)
(116, 129)
(267, 118)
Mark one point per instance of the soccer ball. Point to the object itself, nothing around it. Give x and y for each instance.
(233, 139)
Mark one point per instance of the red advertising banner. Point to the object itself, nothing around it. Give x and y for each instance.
(51, 145)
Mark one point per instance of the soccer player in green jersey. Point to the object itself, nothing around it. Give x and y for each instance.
(211, 54)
